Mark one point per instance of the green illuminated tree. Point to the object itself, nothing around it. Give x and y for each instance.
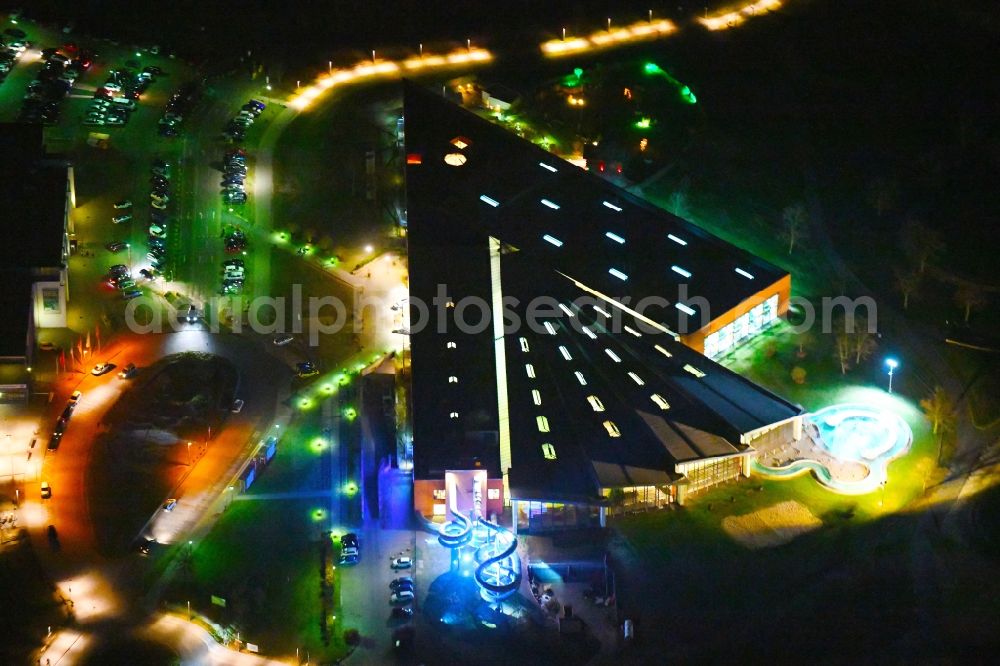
(795, 221)
(970, 297)
(908, 284)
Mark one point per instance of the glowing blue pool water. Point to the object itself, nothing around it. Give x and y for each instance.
(851, 433)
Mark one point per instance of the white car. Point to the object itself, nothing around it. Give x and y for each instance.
(112, 86)
(401, 597)
(402, 563)
(237, 406)
(282, 340)
(75, 397)
(102, 368)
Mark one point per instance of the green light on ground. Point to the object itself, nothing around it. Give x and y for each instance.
(319, 444)
(643, 123)
(350, 488)
(575, 79)
(342, 379)
(652, 68)
(331, 261)
(688, 96)
(350, 413)
(305, 403)
(359, 367)
(281, 237)
(318, 515)
(329, 389)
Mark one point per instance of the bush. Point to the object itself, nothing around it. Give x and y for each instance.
(799, 375)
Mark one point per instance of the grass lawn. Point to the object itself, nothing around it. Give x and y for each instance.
(264, 556)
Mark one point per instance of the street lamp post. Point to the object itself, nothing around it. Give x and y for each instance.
(128, 246)
(189, 454)
(892, 364)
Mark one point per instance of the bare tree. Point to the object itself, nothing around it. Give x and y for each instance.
(678, 204)
(907, 282)
(970, 297)
(802, 340)
(882, 194)
(939, 410)
(843, 347)
(924, 243)
(795, 221)
(863, 342)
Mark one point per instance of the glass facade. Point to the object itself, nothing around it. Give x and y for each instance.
(538, 517)
(745, 326)
(638, 498)
(703, 474)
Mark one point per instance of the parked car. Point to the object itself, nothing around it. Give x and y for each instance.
(170, 504)
(306, 369)
(121, 219)
(124, 203)
(283, 339)
(401, 582)
(46, 490)
(75, 397)
(402, 563)
(402, 613)
(237, 406)
(102, 368)
(401, 597)
(127, 372)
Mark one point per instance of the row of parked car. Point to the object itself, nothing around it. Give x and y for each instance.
(233, 274)
(43, 99)
(159, 200)
(236, 130)
(234, 173)
(12, 45)
(179, 105)
(115, 100)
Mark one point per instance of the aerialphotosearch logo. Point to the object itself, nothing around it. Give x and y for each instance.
(317, 316)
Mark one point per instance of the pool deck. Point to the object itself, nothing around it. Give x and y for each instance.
(811, 453)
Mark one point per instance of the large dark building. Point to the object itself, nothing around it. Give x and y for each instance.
(557, 354)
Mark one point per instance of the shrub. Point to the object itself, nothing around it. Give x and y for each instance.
(799, 375)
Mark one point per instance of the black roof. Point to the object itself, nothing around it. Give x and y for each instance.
(576, 368)
(33, 196)
(646, 242)
(15, 304)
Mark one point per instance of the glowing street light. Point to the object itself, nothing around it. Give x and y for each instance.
(892, 364)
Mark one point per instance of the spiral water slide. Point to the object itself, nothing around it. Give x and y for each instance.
(458, 531)
(498, 573)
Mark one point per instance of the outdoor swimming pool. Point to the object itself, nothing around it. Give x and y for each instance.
(850, 433)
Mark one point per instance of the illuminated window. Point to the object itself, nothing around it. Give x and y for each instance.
(453, 415)
(615, 237)
(595, 403)
(546, 166)
(679, 241)
(455, 159)
(618, 274)
(524, 344)
(565, 353)
(536, 396)
(542, 423)
(660, 401)
(662, 351)
(636, 378)
(694, 371)
(440, 493)
(604, 312)
(530, 369)
(493, 493)
(451, 345)
(414, 158)
(549, 451)
(453, 379)
(489, 200)
(608, 204)
(590, 334)
(686, 309)
(614, 357)
(550, 328)
(440, 510)
(580, 378)
(744, 273)
(681, 271)
(552, 239)
(632, 331)
(460, 142)
(550, 204)
(612, 429)
(565, 308)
